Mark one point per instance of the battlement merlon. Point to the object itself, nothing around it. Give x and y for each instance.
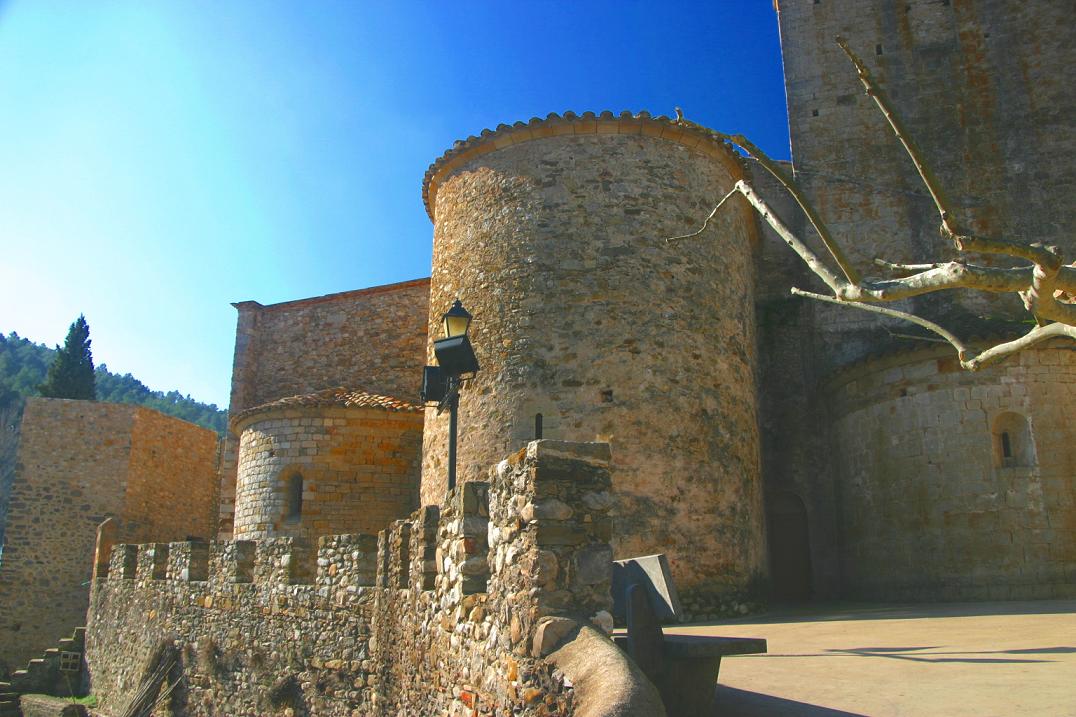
(542, 519)
(336, 561)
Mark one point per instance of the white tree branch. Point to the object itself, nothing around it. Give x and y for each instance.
(1047, 286)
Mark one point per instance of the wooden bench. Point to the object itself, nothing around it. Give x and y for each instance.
(684, 668)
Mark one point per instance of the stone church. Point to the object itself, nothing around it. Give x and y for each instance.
(763, 441)
(769, 445)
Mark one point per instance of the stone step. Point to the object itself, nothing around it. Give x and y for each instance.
(20, 673)
(79, 634)
(52, 651)
(66, 643)
(5, 687)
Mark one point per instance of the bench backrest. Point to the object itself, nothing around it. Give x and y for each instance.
(645, 639)
(651, 571)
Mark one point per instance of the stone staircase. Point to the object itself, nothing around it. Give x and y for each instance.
(9, 701)
(57, 672)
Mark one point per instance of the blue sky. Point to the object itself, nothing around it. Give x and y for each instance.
(163, 159)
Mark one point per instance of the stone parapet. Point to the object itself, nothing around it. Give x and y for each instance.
(436, 615)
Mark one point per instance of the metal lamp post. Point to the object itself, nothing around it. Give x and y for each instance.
(457, 363)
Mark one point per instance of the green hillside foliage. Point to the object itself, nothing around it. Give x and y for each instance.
(71, 374)
(24, 365)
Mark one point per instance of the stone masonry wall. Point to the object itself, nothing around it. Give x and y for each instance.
(553, 236)
(10, 421)
(171, 480)
(78, 463)
(437, 616)
(982, 87)
(69, 476)
(373, 339)
(359, 466)
(796, 454)
(931, 508)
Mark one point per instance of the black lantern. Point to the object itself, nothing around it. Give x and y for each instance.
(441, 384)
(457, 320)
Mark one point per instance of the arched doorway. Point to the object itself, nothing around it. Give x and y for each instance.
(790, 548)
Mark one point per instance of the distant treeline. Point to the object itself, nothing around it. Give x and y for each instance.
(23, 365)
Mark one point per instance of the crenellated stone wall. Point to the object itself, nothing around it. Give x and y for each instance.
(436, 616)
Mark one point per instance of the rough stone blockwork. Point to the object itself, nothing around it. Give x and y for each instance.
(448, 628)
(79, 463)
(974, 471)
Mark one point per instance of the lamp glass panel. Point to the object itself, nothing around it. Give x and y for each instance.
(456, 325)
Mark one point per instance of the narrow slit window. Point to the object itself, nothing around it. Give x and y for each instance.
(294, 498)
(537, 426)
(1013, 443)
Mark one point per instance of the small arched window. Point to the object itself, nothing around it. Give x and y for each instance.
(293, 498)
(1012, 441)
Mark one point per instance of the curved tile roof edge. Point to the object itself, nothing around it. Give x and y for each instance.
(684, 132)
(878, 360)
(336, 397)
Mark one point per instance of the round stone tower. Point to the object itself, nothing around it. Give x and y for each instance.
(590, 326)
(334, 461)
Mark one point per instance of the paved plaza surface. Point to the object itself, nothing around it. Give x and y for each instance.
(943, 659)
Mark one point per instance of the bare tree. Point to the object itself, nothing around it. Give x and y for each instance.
(1044, 282)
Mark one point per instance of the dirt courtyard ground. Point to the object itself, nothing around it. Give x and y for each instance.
(944, 660)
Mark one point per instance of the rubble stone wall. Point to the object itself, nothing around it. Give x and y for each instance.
(436, 616)
(553, 236)
(931, 507)
(359, 469)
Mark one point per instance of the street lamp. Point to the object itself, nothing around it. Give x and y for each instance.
(457, 363)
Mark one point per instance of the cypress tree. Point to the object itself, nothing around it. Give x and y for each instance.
(71, 374)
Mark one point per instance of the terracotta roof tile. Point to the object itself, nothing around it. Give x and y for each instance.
(683, 132)
(339, 397)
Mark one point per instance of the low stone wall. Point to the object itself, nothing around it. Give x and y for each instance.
(439, 618)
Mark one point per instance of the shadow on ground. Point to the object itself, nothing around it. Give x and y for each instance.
(832, 612)
(731, 702)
